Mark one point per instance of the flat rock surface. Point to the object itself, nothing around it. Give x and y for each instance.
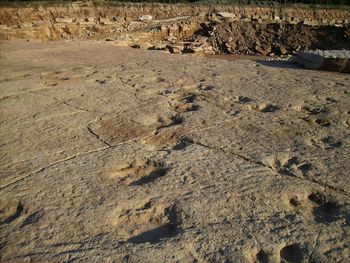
(120, 155)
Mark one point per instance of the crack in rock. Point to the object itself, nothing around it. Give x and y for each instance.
(97, 136)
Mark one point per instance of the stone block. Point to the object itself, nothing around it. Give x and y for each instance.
(330, 60)
(226, 15)
(145, 18)
(64, 20)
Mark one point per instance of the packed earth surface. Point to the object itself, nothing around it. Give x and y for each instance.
(114, 154)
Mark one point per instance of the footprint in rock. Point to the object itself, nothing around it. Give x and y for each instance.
(291, 254)
(291, 166)
(167, 226)
(327, 142)
(168, 122)
(173, 120)
(264, 107)
(232, 100)
(316, 113)
(330, 100)
(138, 172)
(147, 221)
(262, 257)
(205, 87)
(182, 144)
(241, 99)
(322, 121)
(172, 138)
(287, 254)
(326, 210)
(183, 101)
(319, 208)
(50, 79)
(100, 81)
(184, 104)
(157, 121)
(311, 109)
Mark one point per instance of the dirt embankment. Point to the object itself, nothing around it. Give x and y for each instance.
(279, 39)
(15, 14)
(182, 28)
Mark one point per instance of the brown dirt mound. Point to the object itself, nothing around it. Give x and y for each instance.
(266, 38)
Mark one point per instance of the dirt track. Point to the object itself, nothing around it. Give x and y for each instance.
(123, 155)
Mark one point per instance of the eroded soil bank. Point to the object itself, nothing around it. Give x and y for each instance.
(114, 154)
(279, 39)
(183, 28)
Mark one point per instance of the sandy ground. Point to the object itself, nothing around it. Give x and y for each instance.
(115, 154)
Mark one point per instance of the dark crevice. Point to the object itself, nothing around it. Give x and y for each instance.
(97, 136)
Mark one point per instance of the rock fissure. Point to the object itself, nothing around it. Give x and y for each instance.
(94, 134)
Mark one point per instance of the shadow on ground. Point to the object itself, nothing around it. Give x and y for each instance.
(280, 64)
(156, 235)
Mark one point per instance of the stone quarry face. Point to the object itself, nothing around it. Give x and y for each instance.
(127, 155)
